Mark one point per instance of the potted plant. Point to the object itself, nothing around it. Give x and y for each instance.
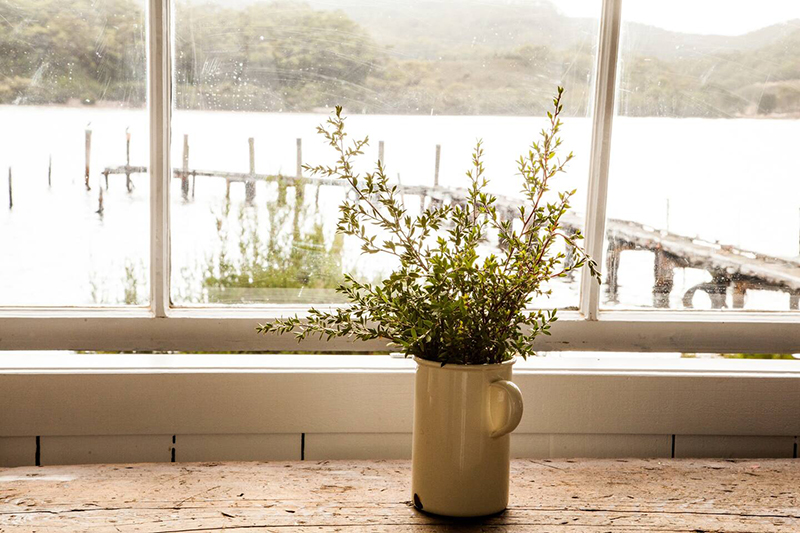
(457, 305)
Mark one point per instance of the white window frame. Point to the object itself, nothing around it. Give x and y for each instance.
(162, 327)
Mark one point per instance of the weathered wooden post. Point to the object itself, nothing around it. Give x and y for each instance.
(436, 172)
(794, 300)
(664, 273)
(612, 270)
(299, 173)
(128, 182)
(250, 184)
(50, 171)
(10, 191)
(88, 157)
(299, 191)
(718, 289)
(739, 292)
(185, 173)
(100, 202)
(380, 153)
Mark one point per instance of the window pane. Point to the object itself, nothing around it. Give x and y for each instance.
(704, 196)
(72, 90)
(424, 80)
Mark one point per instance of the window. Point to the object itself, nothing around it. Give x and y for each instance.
(253, 82)
(682, 127)
(703, 196)
(75, 231)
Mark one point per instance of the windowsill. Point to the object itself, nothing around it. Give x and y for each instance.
(586, 363)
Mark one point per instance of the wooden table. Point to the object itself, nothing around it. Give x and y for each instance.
(350, 496)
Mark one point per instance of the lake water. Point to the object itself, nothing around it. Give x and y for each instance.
(736, 181)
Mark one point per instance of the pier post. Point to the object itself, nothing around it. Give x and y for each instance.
(299, 191)
(227, 189)
(664, 273)
(718, 289)
(88, 157)
(299, 173)
(185, 173)
(794, 301)
(128, 182)
(100, 208)
(250, 185)
(10, 191)
(739, 292)
(50, 171)
(380, 153)
(436, 171)
(612, 270)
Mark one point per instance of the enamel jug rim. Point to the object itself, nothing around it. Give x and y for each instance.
(454, 366)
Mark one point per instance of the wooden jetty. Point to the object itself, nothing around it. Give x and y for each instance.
(732, 269)
(729, 267)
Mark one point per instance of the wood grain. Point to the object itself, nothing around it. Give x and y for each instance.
(553, 496)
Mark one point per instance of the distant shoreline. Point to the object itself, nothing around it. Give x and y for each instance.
(75, 103)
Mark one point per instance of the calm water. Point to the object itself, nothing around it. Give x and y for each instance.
(736, 181)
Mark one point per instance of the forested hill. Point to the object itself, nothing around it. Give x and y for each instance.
(415, 57)
(426, 29)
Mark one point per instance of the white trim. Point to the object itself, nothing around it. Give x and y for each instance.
(209, 330)
(584, 363)
(160, 101)
(600, 154)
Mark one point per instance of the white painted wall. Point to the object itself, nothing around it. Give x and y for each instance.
(128, 408)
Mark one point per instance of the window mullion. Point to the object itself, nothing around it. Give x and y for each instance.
(602, 120)
(160, 92)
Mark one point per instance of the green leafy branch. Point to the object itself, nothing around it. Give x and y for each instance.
(449, 300)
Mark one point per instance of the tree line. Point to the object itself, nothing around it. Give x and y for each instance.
(286, 56)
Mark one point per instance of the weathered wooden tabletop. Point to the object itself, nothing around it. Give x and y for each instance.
(580, 495)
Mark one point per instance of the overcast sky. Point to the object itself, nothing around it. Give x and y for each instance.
(716, 17)
(719, 17)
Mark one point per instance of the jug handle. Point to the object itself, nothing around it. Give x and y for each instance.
(515, 407)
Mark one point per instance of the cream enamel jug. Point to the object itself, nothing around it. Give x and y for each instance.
(463, 415)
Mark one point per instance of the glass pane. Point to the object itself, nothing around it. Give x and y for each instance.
(73, 111)
(704, 196)
(424, 80)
